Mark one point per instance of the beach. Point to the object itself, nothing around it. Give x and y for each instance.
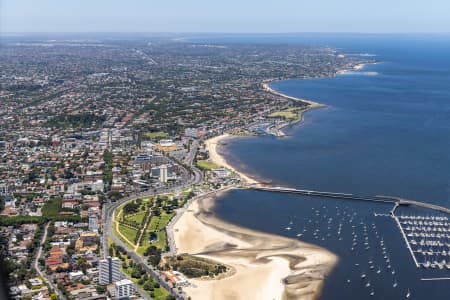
(312, 104)
(263, 266)
(211, 146)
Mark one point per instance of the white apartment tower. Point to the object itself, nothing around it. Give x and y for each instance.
(93, 223)
(163, 173)
(109, 270)
(124, 289)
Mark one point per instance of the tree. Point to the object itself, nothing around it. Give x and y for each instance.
(147, 286)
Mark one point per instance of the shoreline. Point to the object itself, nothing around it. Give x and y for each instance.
(265, 266)
(215, 157)
(311, 105)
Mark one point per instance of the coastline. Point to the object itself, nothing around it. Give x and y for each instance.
(211, 146)
(311, 105)
(265, 266)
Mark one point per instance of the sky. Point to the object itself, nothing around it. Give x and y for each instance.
(229, 16)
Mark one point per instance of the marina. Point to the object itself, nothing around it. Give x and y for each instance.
(377, 247)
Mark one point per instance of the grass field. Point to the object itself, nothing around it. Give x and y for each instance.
(138, 218)
(158, 225)
(290, 113)
(128, 232)
(156, 135)
(207, 165)
(52, 207)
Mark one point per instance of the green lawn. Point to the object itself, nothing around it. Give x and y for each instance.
(52, 207)
(158, 225)
(128, 232)
(287, 114)
(207, 165)
(156, 135)
(138, 218)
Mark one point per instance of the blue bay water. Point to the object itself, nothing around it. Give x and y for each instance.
(384, 134)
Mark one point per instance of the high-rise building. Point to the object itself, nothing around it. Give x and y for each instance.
(124, 289)
(4, 190)
(163, 173)
(93, 223)
(109, 270)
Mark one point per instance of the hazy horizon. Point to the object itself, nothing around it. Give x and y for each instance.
(202, 16)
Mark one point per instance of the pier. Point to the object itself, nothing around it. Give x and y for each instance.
(396, 201)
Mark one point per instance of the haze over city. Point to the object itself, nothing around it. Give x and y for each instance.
(235, 16)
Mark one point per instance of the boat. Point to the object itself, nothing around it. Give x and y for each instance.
(395, 284)
(363, 275)
(408, 294)
(379, 270)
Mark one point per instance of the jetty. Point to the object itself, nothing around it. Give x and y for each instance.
(396, 201)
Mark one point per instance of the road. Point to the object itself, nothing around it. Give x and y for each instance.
(135, 257)
(37, 267)
(108, 210)
(195, 177)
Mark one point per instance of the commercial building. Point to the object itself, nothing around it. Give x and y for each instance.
(124, 289)
(166, 146)
(109, 270)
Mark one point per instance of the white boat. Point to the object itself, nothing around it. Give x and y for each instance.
(408, 294)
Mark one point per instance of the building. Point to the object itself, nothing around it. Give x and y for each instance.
(124, 289)
(191, 132)
(166, 146)
(4, 190)
(163, 173)
(93, 223)
(109, 270)
(176, 278)
(76, 275)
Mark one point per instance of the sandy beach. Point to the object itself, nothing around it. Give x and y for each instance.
(211, 146)
(312, 104)
(264, 266)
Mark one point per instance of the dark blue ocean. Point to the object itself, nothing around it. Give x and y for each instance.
(385, 131)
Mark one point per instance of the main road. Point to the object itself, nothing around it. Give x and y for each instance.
(108, 211)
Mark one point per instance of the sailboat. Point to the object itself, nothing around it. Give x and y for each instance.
(379, 270)
(408, 294)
